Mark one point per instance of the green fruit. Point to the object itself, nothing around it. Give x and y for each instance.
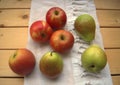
(51, 64)
(85, 27)
(94, 59)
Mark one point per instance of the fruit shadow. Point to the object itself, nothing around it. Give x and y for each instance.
(51, 80)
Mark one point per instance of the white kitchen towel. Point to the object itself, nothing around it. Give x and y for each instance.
(73, 73)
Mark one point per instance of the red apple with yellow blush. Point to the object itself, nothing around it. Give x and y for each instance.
(40, 31)
(62, 40)
(56, 18)
(22, 62)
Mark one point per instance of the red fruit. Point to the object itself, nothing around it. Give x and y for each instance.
(22, 62)
(40, 31)
(56, 18)
(61, 40)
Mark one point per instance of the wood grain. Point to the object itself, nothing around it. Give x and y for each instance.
(107, 18)
(11, 81)
(100, 4)
(13, 38)
(113, 56)
(15, 4)
(116, 80)
(14, 17)
(107, 4)
(111, 37)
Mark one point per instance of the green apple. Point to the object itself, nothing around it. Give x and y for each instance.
(94, 59)
(85, 27)
(51, 64)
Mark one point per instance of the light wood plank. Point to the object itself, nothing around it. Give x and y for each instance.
(17, 37)
(14, 17)
(20, 81)
(13, 38)
(15, 3)
(107, 4)
(111, 37)
(113, 56)
(11, 81)
(116, 80)
(109, 18)
(100, 4)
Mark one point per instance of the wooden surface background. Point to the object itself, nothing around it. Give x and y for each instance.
(14, 18)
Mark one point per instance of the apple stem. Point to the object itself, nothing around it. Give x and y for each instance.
(42, 34)
(56, 12)
(62, 37)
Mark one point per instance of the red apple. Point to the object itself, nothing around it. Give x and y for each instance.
(61, 40)
(40, 31)
(56, 18)
(22, 62)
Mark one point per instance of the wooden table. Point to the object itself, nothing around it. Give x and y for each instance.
(14, 18)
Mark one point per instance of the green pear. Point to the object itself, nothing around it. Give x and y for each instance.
(94, 59)
(85, 27)
(51, 64)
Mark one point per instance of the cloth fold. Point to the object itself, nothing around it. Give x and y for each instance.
(73, 73)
